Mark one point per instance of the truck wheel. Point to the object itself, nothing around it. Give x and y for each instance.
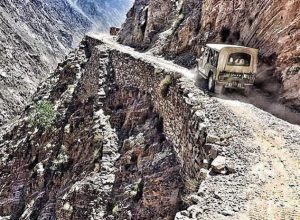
(211, 83)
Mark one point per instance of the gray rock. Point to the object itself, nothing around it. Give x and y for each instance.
(219, 164)
(212, 138)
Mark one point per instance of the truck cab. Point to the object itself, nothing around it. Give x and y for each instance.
(227, 66)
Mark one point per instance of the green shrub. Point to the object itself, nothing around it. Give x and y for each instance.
(165, 85)
(44, 115)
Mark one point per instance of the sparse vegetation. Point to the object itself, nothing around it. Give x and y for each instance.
(192, 185)
(43, 115)
(98, 139)
(137, 191)
(116, 210)
(165, 85)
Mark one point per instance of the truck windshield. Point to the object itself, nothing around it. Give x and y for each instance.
(239, 59)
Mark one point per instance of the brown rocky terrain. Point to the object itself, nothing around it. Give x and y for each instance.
(133, 138)
(178, 29)
(116, 133)
(32, 42)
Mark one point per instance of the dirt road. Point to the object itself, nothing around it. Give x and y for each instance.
(276, 193)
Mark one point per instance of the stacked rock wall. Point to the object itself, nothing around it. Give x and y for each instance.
(183, 119)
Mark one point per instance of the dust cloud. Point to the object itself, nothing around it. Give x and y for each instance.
(266, 95)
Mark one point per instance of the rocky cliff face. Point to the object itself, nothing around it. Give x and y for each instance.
(105, 143)
(35, 36)
(178, 29)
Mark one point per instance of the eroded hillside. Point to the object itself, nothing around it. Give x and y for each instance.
(35, 36)
(103, 13)
(178, 29)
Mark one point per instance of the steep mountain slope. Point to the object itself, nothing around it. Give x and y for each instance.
(36, 35)
(104, 13)
(72, 170)
(178, 29)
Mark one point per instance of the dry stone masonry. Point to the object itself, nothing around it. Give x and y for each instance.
(183, 124)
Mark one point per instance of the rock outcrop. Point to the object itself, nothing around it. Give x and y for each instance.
(71, 170)
(178, 29)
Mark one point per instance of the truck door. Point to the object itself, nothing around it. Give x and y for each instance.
(212, 63)
(203, 61)
(205, 57)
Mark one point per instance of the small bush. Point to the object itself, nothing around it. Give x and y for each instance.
(192, 185)
(43, 115)
(165, 85)
(116, 211)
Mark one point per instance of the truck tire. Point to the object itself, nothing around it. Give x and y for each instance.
(211, 83)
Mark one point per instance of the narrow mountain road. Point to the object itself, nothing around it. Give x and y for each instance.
(255, 98)
(158, 61)
(274, 190)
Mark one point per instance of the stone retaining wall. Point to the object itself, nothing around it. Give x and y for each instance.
(183, 117)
